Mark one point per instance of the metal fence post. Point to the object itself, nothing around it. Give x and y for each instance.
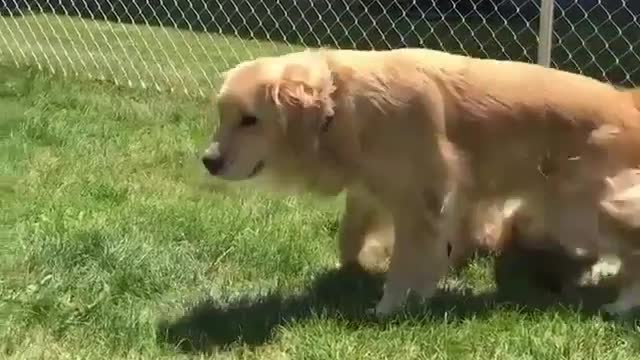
(545, 32)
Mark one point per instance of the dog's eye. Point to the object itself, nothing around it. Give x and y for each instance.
(247, 121)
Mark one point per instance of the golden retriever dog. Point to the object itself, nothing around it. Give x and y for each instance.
(418, 138)
(516, 240)
(503, 232)
(366, 236)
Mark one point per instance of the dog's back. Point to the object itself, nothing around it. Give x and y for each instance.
(503, 114)
(635, 97)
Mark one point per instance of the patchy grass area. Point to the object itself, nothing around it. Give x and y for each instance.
(115, 245)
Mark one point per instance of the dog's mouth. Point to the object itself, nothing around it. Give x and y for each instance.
(256, 170)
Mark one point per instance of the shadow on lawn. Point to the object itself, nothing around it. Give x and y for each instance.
(345, 295)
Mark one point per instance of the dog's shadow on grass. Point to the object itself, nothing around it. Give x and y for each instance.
(346, 294)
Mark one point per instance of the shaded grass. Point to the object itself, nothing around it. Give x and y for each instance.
(105, 210)
(115, 245)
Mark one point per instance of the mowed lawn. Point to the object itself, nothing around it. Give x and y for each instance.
(116, 245)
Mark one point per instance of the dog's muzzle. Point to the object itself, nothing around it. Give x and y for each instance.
(212, 160)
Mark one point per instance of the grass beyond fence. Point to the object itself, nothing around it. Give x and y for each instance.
(183, 60)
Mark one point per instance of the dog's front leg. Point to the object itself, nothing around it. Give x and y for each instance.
(364, 228)
(356, 219)
(419, 257)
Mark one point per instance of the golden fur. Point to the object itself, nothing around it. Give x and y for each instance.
(421, 139)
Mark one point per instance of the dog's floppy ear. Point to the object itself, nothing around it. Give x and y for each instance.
(303, 96)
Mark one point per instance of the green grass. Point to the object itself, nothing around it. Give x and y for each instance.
(115, 245)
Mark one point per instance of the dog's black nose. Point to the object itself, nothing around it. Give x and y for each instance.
(213, 164)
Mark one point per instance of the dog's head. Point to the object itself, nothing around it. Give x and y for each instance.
(272, 115)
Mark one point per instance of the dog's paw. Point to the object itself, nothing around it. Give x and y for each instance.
(373, 312)
(383, 310)
(389, 305)
(615, 309)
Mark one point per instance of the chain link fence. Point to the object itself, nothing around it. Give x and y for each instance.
(183, 45)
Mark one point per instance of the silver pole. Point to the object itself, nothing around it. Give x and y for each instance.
(545, 33)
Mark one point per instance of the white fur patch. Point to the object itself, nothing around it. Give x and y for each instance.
(623, 197)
